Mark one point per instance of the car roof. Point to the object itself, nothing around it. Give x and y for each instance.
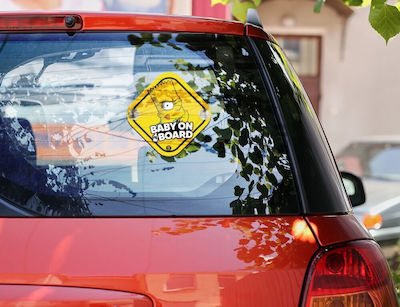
(122, 21)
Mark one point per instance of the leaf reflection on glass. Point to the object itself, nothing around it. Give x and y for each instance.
(48, 190)
(247, 134)
(242, 130)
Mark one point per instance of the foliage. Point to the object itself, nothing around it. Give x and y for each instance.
(383, 17)
(259, 241)
(239, 7)
(396, 280)
(394, 263)
(44, 190)
(246, 136)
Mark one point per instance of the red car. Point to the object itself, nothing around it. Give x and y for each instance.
(169, 161)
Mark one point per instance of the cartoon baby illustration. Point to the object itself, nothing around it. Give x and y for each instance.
(168, 102)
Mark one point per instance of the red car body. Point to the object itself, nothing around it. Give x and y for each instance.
(171, 261)
(226, 261)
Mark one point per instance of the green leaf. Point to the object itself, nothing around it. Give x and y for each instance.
(168, 159)
(241, 157)
(182, 154)
(147, 37)
(353, 2)
(219, 147)
(257, 2)
(204, 138)
(385, 19)
(224, 134)
(193, 147)
(236, 206)
(239, 9)
(193, 85)
(234, 150)
(263, 189)
(244, 137)
(318, 5)
(256, 156)
(235, 124)
(247, 171)
(164, 37)
(366, 3)
(238, 191)
(224, 2)
(251, 186)
(135, 40)
(272, 179)
(208, 88)
(174, 46)
(157, 44)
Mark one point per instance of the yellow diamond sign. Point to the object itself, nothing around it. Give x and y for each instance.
(169, 114)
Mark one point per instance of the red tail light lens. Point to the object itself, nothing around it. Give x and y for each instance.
(354, 275)
(25, 22)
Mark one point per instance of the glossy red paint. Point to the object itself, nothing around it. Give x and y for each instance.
(23, 295)
(212, 261)
(140, 22)
(112, 22)
(258, 32)
(53, 21)
(334, 229)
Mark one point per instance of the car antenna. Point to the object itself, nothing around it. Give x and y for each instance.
(253, 18)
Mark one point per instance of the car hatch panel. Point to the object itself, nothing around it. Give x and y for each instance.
(214, 261)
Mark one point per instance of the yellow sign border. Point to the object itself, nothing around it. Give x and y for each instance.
(148, 138)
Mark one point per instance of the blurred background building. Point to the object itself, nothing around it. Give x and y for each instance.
(348, 71)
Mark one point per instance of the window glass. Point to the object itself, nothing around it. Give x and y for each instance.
(324, 191)
(133, 124)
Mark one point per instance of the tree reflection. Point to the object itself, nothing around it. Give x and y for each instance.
(259, 241)
(243, 129)
(250, 134)
(51, 190)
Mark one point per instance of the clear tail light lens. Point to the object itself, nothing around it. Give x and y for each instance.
(354, 275)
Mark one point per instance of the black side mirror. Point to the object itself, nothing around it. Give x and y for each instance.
(354, 188)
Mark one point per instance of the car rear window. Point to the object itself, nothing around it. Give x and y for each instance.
(138, 124)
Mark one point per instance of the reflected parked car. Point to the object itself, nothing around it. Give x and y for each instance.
(377, 160)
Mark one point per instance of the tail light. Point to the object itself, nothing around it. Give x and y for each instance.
(354, 275)
(27, 22)
(372, 221)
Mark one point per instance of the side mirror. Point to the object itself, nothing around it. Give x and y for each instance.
(354, 188)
